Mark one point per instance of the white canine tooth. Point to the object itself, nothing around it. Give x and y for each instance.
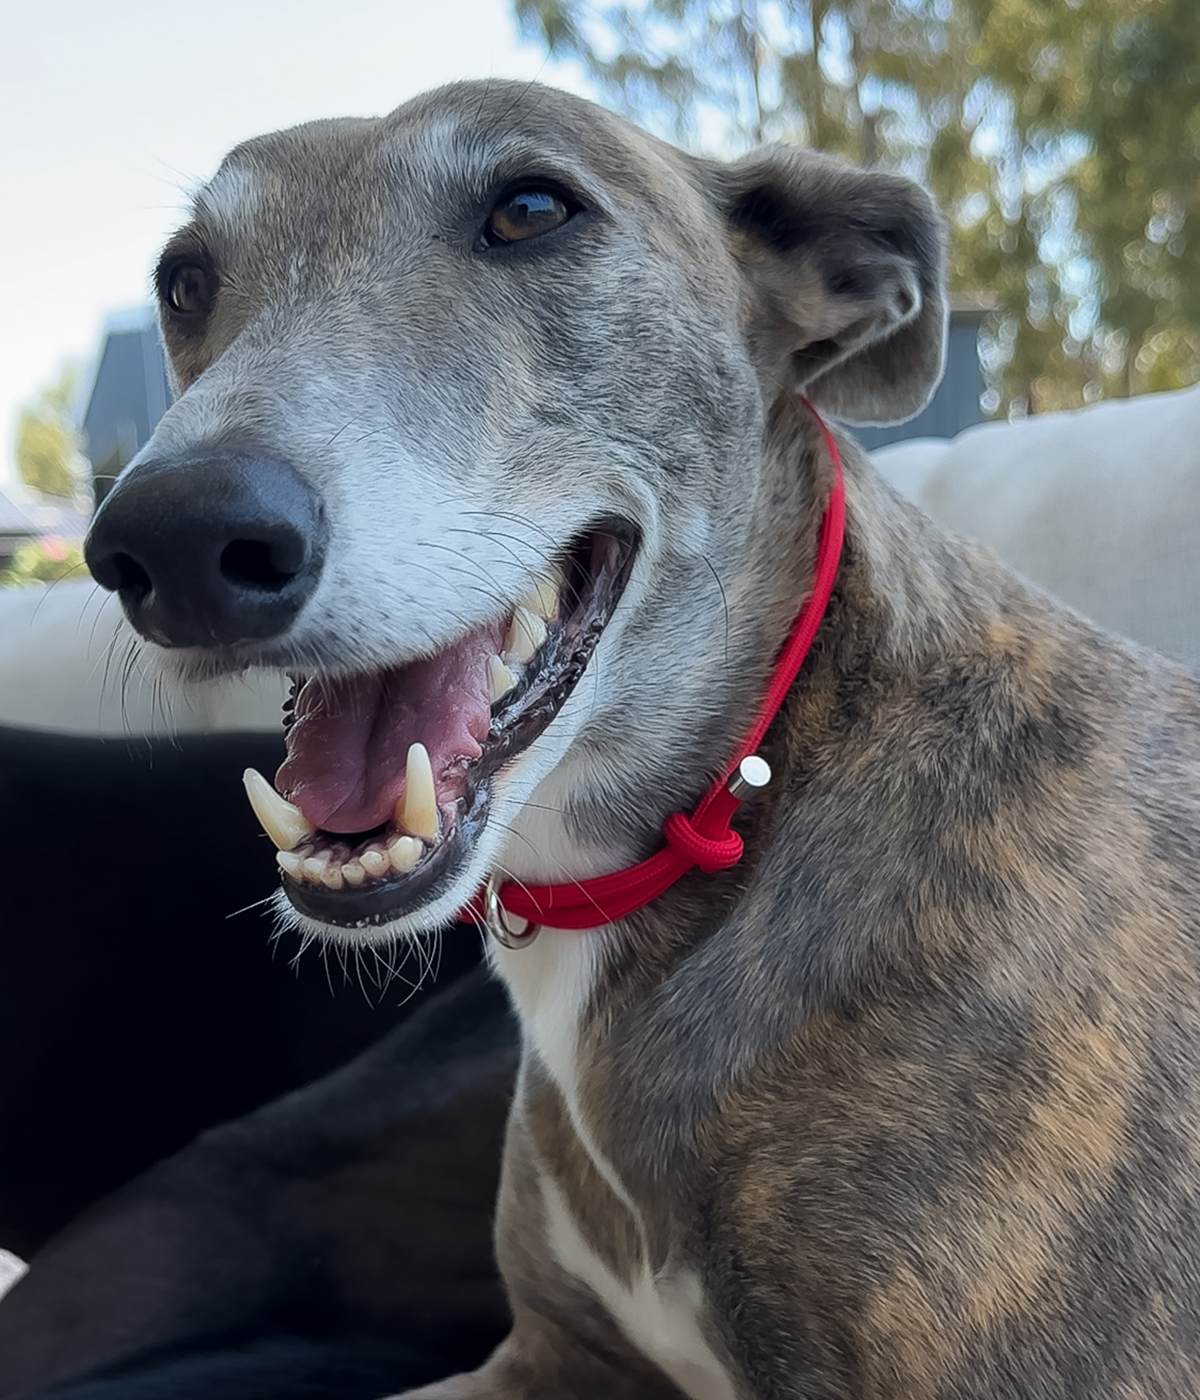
(542, 598)
(373, 860)
(290, 863)
(353, 872)
(417, 812)
(286, 825)
(500, 679)
(526, 632)
(404, 852)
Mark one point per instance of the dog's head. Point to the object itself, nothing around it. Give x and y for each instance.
(486, 434)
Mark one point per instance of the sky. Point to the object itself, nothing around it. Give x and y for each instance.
(111, 114)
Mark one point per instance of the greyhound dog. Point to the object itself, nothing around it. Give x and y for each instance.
(496, 431)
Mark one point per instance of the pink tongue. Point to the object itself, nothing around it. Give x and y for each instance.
(348, 745)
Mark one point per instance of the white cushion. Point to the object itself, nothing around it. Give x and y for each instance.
(63, 666)
(1100, 507)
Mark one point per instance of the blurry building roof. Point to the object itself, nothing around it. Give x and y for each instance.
(129, 393)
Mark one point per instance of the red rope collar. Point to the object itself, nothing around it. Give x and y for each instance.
(704, 839)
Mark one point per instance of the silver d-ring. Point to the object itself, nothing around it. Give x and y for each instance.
(497, 919)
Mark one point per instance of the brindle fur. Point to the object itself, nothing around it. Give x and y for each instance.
(917, 1095)
(911, 1092)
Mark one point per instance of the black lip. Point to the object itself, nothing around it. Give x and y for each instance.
(598, 582)
(383, 900)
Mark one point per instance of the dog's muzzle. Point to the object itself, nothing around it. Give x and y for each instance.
(388, 780)
(209, 550)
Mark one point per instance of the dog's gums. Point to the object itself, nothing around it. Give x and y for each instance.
(388, 778)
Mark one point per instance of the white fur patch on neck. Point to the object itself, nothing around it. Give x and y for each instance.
(551, 983)
(552, 979)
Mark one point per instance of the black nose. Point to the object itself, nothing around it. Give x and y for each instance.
(209, 550)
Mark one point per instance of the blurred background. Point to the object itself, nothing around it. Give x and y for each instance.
(1062, 137)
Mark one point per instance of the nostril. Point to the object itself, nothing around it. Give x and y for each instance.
(123, 573)
(264, 565)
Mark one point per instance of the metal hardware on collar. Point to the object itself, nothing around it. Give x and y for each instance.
(750, 776)
(496, 917)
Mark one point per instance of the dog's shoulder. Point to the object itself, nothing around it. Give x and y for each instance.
(976, 1074)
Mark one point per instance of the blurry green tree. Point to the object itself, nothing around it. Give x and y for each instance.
(47, 449)
(1061, 136)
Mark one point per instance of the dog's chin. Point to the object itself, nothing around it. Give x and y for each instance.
(363, 867)
(411, 916)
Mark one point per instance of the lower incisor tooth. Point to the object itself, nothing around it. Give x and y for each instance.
(353, 872)
(404, 852)
(290, 863)
(373, 861)
(331, 877)
(313, 868)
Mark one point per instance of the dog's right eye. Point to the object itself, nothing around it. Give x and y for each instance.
(526, 214)
(187, 289)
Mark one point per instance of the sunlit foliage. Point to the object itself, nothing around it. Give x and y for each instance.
(47, 448)
(45, 560)
(1062, 137)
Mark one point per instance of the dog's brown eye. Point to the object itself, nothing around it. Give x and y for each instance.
(526, 214)
(188, 289)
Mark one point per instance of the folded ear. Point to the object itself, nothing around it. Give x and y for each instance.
(845, 270)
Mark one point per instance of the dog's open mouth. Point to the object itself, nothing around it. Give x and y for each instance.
(388, 777)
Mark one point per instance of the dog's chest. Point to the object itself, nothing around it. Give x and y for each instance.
(662, 1313)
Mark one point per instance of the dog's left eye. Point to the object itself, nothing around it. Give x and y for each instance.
(526, 214)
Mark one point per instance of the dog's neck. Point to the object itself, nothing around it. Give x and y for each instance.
(704, 838)
(900, 602)
(580, 824)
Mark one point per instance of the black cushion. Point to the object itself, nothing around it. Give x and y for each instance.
(142, 998)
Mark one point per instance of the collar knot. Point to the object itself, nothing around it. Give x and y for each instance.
(710, 853)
